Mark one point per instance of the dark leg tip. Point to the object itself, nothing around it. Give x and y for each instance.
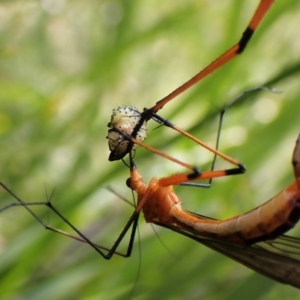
(242, 168)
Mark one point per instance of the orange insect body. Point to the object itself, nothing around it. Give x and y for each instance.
(254, 239)
(161, 205)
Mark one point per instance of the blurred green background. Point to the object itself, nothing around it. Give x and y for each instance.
(64, 66)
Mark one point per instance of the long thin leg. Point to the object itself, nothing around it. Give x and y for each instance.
(178, 179)
(133, 221)
(238, 48)
(196, 174)
(175, 160)
(238, 99)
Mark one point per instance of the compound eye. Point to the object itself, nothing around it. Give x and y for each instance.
(128, 182)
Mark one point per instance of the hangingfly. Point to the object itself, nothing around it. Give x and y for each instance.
(254, 239)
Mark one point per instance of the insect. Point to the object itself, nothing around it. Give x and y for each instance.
(134, 122)
(254, 239)
(29, 184)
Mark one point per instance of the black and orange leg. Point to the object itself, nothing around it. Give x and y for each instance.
(185, 178)
(238, 100)
(196, 173)
(234, 51)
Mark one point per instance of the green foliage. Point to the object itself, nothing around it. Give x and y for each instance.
(64, 65)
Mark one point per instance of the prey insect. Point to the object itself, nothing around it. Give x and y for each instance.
(129, 120)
